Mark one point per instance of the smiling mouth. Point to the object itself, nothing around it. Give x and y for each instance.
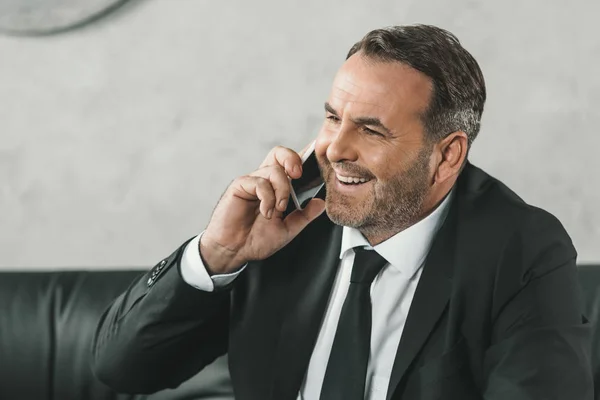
(351, 180)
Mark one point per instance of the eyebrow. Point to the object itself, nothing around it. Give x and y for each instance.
(371, 121)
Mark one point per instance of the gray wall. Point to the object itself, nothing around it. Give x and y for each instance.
(116, 140)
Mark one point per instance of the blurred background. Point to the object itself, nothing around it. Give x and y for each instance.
(117, 138)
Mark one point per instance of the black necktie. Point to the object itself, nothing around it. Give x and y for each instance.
(347, 367)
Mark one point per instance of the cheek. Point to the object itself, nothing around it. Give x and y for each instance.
(321, 144)
(379, 164)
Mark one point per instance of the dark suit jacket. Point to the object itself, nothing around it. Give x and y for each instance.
(496, 314)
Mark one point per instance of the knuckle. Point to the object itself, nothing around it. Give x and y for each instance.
(276, 167)
(261, 182)
(278, 172)
(284, 152)
(269, 201)
(238, 181)
(275, 151)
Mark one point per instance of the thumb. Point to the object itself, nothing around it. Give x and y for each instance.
(299, 219)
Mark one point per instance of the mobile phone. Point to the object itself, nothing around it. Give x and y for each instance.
(310, 183)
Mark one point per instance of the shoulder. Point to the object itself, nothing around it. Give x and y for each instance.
(496, 206)
(505, 245)
(495, 217)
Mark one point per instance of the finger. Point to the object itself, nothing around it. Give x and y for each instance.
(255, 187)
(299, 219)
(279, 181)
(286, 158)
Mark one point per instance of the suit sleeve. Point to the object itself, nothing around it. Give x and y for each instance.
(541, 342)
(160, 332)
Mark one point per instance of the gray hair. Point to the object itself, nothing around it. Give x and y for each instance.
(458, 95)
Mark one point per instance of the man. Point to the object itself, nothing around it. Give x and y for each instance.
(471, 293)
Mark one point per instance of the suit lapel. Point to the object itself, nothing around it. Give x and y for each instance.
(430, 299)
(314, 273)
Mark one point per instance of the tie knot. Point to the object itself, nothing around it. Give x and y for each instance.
(367, 264)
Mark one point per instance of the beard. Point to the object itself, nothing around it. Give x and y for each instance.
(389, 207)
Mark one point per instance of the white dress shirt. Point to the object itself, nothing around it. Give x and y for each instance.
(392, 292)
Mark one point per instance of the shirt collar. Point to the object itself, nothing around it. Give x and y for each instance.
(405, 251)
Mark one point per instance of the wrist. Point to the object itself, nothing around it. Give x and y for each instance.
(216, 258)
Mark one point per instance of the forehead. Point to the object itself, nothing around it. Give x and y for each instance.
(382, 89)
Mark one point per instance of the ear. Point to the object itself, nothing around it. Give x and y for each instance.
(451, 154)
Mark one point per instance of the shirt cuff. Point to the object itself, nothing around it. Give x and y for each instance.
(194, 272)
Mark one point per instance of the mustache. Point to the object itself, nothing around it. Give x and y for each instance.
(347, 169)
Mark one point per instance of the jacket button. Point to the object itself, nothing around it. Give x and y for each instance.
(150, 281)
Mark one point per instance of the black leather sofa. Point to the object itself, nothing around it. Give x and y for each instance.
(47, 321)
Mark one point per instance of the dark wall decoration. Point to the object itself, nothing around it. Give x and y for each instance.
(43, 17)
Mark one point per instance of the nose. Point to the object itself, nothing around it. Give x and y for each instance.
(340, 146)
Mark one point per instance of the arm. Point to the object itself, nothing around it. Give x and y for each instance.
(163, 330)
(541, 343)
(160, 332)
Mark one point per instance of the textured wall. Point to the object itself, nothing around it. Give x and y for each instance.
(116, 140)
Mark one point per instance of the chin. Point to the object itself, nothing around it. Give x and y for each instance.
(343, 215)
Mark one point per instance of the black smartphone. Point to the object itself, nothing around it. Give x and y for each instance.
(310, 183)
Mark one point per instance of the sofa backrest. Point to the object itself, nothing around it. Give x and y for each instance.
(47, 322)
(589, 278)
(48, 319)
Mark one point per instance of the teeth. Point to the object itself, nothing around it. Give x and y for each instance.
(351, 179)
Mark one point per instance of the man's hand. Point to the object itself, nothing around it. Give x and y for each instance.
(247, 223)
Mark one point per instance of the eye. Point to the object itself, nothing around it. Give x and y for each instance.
(332, 118)
(371, 132)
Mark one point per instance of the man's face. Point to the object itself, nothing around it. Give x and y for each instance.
(373, 133)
